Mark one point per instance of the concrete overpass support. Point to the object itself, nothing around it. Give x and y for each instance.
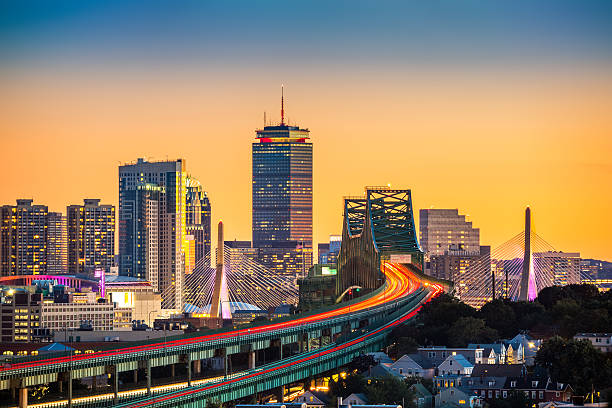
(23, 398)
(70, 389)
(148, 377)
(115, 384)
(280, 394)
(251, 359)
(188, 370)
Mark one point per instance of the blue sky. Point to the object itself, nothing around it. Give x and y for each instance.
(314, 32)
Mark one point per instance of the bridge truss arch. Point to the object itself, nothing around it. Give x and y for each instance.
(378, 227)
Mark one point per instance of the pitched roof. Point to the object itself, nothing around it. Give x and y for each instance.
(420, 389)
(318, 398)
(460, 360)
(421, 360)
(381, 357)
(359, 395)
(379, 371)
(498, 370)
(484, 382)
(497, 347)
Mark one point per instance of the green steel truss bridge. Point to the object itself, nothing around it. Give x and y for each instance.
(379, 251)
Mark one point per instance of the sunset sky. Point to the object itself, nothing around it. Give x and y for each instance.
(485, 106)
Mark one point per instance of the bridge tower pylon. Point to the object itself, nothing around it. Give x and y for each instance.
(220, 296)
(528, 289)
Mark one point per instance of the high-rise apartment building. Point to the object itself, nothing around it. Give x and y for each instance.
(57, 244)
(23, 238)
(91, 237)
(282, 197)
(152, 225)
(139, 233)
(198, 219)
(557, 268)
(446, 230)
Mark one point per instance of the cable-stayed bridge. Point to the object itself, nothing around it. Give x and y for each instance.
(517, 269)
(382, 256)
(244, 281)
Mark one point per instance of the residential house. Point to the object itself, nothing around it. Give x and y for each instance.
(601, 341)
(354, 399)
(312, 399)
(381, 358)
(514, 353)
(538, 389)
(414, 365)
(498, 348)
(486, 387)
(422, 397)
(448, 380)
(455, 364)
(456, 397)
(438, 354)
(530, 346)
(499, 370)
(380, 371)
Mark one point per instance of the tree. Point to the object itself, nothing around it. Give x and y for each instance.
(390, 391)
(499, 315)
(213, 403)
(470, 330)
(575, 362)
(403, 346)
(353, 383)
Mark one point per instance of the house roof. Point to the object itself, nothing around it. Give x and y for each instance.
(421, 360)
(543, 383)
(381, 357)
(484, 382)
(498, 370)
(497, 347)
(359, 395)
(459, 359)
(379, 371)
(319, 398)
(420, 389)
(593, 335)
(487, 352)
(55, 347)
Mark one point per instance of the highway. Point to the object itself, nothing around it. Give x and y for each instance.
(400, 281)
(393, 271)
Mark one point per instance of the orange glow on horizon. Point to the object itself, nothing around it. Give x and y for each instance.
(487, 144)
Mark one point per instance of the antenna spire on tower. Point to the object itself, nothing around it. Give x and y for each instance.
(282, 105)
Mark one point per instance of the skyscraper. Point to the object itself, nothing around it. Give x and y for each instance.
(57, 243)
(149, 191)
(23, 238)
(282, 197)
(91, 237)
(198, 218)
(139, 233)
(447, 230)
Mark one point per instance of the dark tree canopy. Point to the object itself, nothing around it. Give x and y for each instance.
(575, 362)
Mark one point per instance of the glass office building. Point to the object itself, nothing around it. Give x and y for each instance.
(152, 225)
(282, 198)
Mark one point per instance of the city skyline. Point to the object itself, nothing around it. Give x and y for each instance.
(510, 120)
